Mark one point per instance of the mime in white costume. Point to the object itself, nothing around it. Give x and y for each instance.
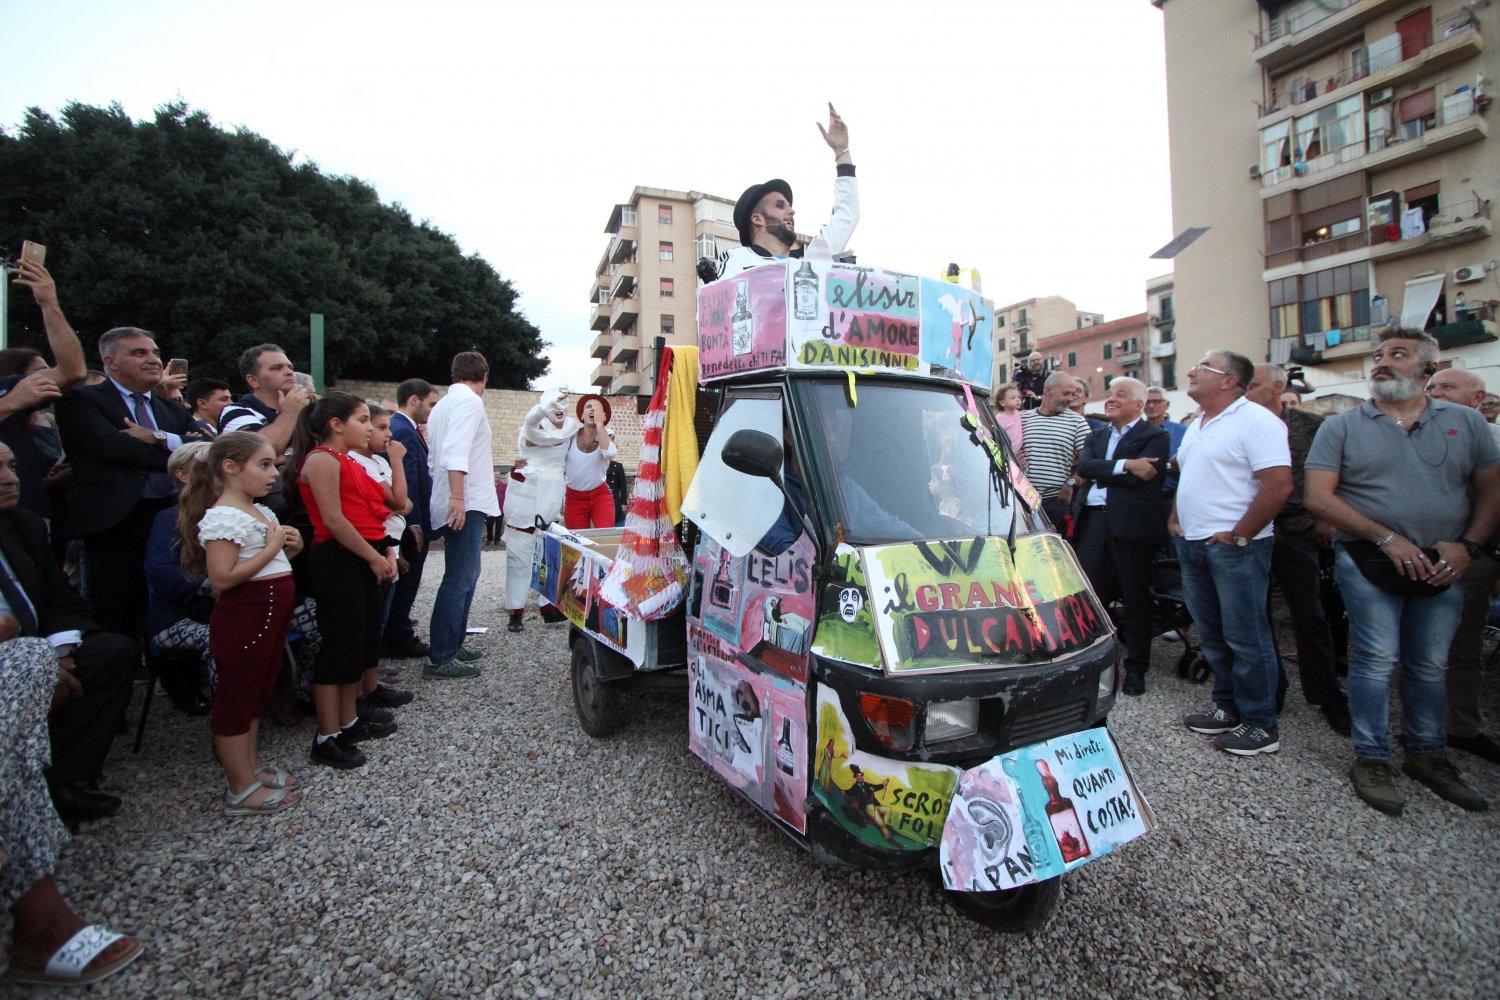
(535, 493)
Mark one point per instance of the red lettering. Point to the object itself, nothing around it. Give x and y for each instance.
(927, 597)
(921, 631)
(1012, 633)
(978, 598)
(950, 595)
(948, 629)
(990, 627)
(1033, 593)
(1064, 632)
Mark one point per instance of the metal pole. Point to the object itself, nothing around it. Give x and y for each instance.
(4, 307)
(315, 330)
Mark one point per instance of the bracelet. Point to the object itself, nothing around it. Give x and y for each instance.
(1386, 540)
(840, 152)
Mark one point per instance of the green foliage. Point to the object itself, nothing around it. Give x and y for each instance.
(216, 241)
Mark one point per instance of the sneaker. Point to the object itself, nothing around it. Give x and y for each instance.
(1217, 721)
(467, 655)
(1480, 745)
(1336, 713)
(374, 713)
(1434, 771)
(1375, 783)
(388, 697)
(1248, 740)
(367, 729)
(452, 670)
(337, 752)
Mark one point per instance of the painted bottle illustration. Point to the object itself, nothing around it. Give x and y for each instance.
(1064, 819)
(721, 591)
(742, 324)
(805, 292)
(785, 759)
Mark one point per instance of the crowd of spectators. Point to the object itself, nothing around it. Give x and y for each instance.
(256, 554)
(1376, 525)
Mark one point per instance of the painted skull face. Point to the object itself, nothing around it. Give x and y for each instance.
(851, 602)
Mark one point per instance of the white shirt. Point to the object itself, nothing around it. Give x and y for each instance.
(379, 469)
(458, 440)
(1219, 458)
(230, 524)
(1100, 493)
(585, 469)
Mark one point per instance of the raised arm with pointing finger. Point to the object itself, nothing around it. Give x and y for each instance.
(766, 219)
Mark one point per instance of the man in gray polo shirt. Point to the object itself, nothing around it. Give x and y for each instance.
(1418, 481)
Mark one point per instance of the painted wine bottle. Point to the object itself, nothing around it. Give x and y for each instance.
(786, 759)
(805, 292)
(742, 324)
(1064, 819)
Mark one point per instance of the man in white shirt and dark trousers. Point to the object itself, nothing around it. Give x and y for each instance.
(1236, 472)
(463, 495)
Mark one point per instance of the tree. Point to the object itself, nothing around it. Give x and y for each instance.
(215, 241)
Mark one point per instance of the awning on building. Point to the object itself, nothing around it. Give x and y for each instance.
(1421, 296)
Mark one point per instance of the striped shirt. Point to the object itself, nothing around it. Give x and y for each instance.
(1052, 447)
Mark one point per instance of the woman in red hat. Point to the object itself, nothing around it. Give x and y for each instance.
(589, 503)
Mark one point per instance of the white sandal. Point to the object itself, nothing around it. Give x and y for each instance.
(278, 777)
(280, 800)
(70, 963)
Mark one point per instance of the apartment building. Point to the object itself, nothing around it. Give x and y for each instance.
(1099, 352)
(1339, 152)
(1160, 367)
(1021, 327)
(646, 285)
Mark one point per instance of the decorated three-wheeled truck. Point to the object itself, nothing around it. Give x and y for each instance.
(885, 645)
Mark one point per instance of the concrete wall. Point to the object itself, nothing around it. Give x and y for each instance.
(507, 409)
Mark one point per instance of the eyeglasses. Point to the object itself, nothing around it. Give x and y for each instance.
(1201, 367)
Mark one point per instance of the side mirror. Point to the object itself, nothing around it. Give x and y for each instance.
(753, 453)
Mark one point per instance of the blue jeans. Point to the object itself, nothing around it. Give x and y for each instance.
(1225, 587)
(1386, 632)
(450, 608)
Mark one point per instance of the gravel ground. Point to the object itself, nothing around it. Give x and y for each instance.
(490, 848)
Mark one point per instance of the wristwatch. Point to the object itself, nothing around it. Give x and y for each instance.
(1475, 549)
(159, 435)
(1240, 540)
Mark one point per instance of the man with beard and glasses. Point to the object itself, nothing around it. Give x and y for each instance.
(1413, 487)
(766, 220)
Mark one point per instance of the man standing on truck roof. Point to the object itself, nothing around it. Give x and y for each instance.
(767, 222)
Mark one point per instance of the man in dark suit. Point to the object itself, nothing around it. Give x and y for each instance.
(1120, 516)
(415, 399)
(94, 667)
(118, 435)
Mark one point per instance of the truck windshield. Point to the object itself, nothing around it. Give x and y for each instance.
(905, 467)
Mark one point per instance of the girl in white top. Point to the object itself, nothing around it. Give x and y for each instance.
(244, 550)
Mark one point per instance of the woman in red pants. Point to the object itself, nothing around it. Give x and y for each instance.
(589, 503)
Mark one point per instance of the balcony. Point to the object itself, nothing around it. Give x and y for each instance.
(626, 383)
(1320, 348)
(1129, 357)
(1291, 39)
(622, 247)
(1453, 39)
(603, 375)
(599, 316)
(601, 346)
(1457, 124)
(1023, 348)
(623, 283)
(1470, 331)
(1164, 322)
(625, 348)
(1452, 225)
(624, 314)
(1167, 350)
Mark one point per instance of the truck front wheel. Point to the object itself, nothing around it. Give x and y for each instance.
(596, 700)
(1011, 911)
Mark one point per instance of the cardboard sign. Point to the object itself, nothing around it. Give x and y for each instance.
(1037, 812)
(960, 602)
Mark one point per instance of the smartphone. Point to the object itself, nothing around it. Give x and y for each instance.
(34, 252)
(177, 366)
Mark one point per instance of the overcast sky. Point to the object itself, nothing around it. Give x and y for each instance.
(1028, 140)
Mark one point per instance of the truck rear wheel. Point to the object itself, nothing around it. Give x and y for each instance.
(1011, 911)
(596, 700)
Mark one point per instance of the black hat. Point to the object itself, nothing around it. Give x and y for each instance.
(750, 200)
